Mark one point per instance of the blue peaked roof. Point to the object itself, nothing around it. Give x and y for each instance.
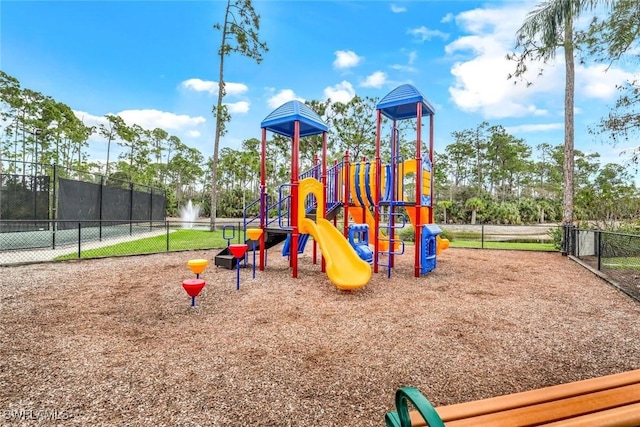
(401, 103)
(282, 119)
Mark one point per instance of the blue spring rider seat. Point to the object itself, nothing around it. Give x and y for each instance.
(359, 240)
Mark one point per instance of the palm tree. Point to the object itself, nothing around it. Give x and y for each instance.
(543, 207)
(474, 204)
(444, 205)
(547, 28)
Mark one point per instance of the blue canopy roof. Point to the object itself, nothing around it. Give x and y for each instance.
(401, 103)
(282, 119)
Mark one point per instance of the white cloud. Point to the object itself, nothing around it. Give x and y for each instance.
(481, 83)
(211, 87)
(199, 85)
(151, 119)
(413, 55)
(235, 88)
(407, 68)
(480, 69)
(375, 80)
(90, 119)
(346, 59)
(542, 127)
(424, 34)
(193, 134)
(598, 82)
(342, 92)
(285, 95)
(397, 9)
(447, 18)
(240, 107)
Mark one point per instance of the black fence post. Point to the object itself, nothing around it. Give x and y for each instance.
(150, 208)
(130, 208)
(482, 236)
(54, 210)
(599, 248)
(79, 240)
(564, 243)
(100, 207)
(167, 227)
(35, 187)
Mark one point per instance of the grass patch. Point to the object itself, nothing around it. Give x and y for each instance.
(621, 263)
(465, 235)
(178, 240)
(503, 245)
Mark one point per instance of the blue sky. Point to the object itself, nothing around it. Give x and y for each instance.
(155, 64)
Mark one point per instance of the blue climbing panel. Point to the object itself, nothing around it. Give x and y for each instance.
(302, 242)
(359, 240)
(428, 246)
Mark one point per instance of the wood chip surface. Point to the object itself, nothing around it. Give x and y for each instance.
(114, 342)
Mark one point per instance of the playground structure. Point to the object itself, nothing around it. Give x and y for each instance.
(372, 195)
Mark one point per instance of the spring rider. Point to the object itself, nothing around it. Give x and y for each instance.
(194, 286)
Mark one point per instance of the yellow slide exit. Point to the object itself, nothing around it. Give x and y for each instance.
(345, 268)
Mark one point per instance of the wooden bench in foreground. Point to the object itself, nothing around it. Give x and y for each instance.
(609, 401)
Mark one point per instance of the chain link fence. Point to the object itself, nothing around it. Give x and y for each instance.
(25, 195)
(614, 256)
(536, 237)
(48, 241)
(35, 194)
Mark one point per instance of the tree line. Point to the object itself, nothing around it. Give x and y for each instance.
(549, 28)
(36, 129)
(485, 174)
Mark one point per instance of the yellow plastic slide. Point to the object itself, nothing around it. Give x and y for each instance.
(345, 268)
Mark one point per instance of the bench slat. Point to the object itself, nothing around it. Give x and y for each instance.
(624, 416)
(492, 405)
(556, 410)
(526, 398)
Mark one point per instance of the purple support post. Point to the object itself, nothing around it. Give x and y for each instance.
(238, 250)
(238, 275)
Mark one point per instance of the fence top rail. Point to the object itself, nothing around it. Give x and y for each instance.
(75, 221)
(615, 233)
